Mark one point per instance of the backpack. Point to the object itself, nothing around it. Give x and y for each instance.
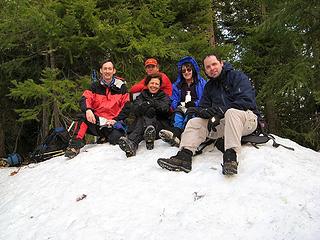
(259, 136)
(53, 145)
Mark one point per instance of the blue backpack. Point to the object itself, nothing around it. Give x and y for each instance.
(53, 145)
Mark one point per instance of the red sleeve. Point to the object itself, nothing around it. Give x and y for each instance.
(138, 87)
(166, 84)
(88, 98)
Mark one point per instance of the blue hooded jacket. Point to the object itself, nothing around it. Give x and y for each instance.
(231, 89)
(176, 86)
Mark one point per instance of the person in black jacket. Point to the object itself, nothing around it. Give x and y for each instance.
(151, 109)
(226, 111)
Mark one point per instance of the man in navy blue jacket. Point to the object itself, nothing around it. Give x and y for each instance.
(227, 110)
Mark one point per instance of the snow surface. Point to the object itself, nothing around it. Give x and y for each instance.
(275, 196)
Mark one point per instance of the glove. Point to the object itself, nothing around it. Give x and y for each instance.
(191, 111)
(157, 106)
(207, 113)
(213, 122)
(151, 112)
(190, 104)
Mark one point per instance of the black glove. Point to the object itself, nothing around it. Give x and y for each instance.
(213, 122)
(190, 104)
(151, 112)
(191, 111)
(157, 105)
(207, 113)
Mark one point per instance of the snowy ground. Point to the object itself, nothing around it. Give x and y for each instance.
(275, 196)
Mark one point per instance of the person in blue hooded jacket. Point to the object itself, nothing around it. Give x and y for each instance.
(227, 111)
(187, 91)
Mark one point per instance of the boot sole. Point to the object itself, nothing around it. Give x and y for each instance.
(162, 163)
(229, 168)
(126, 148)
(149, 136)
(71, 153)
(164, 137)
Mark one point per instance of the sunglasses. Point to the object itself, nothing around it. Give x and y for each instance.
(186, 70)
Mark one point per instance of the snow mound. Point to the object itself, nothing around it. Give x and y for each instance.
(101, 194)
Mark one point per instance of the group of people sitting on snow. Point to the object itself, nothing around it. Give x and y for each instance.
(183, 114)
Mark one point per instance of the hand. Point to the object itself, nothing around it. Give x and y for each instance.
(90, 116)
(190, 104)
(208, 113)
(150, 113)
(213, 122)
(111, 122)
(191, 111)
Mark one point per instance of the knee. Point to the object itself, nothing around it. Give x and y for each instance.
(197, 123)
(233, 113)
(114, 137)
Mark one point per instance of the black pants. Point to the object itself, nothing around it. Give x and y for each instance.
(142, 123)
(112, 135)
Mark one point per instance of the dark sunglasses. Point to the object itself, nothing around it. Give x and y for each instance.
(186, 70)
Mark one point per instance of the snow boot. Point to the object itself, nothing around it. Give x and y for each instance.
(169, 137)
(230, 164)
(128, 146)
(74, 148)
(180, 162)
(149, 136)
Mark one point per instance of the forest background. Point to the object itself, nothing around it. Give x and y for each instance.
(48, 49)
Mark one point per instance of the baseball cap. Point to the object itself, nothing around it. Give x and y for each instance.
(150, 61)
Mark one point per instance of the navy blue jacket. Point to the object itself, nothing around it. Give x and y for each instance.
(232, 89)
(176, 87)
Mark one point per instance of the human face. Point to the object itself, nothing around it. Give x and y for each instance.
(212, 66)
(107, 71)
(152, 69)
(154, 85)
(186, 73)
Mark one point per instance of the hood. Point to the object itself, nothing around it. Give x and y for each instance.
(184, 60)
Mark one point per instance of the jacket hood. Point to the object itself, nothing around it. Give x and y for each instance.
(184, 60)
(227, 66)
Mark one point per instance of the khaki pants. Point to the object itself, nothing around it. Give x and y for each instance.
(236, 123)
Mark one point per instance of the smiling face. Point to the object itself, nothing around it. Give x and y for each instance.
(154, 85)
(212, 66)
(186, 71)
(107, 71)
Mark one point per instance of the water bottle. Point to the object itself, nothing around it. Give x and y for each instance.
(188, 97)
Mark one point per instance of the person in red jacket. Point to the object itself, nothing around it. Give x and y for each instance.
(103, 110)
(152, 67)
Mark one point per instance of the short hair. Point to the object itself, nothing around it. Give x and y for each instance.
(105, 61)
(149, 77)
(218, 57)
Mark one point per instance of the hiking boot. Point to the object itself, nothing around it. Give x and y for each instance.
(230, 164)
(128, 146)
(74, 148)
(168, 136)
(149, 136)
(180, 162)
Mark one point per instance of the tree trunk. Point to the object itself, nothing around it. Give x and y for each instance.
(272, 118)
(212, 38)
(45, 121)
(2, 141)
(56, 115)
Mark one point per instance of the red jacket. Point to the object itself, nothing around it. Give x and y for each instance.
(105, 101)
(166, 85)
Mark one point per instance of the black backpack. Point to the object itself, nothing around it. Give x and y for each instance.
(53, 145)
(259, 136)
